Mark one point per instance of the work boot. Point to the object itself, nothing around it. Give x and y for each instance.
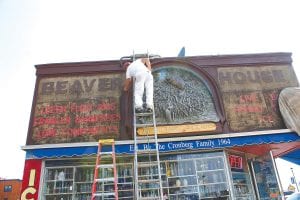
(149, 110)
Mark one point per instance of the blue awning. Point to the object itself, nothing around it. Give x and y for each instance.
(293, 156)
(168, 146)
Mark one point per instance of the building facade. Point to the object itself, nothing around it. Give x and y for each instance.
(10, 189)
(218, 121)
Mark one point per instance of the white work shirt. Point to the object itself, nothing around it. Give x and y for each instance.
(135, 68)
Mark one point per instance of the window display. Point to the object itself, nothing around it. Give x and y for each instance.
(83, 182)
(125, 181)
(193, 176)
(75, 181)
(181, 179)
(265, 177)
(187, 176)
(59, 183)
(212, 178)
(242, 185)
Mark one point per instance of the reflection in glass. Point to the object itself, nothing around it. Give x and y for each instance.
(265, 178)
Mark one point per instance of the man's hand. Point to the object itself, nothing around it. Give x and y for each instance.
(127, 84)
(146, 61)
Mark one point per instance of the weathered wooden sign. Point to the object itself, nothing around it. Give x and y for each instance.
(77, 109)
(250, 95)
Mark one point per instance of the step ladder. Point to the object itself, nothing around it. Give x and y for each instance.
(147, 169)
(105, 184)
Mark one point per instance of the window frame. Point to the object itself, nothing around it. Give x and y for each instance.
(7, 188)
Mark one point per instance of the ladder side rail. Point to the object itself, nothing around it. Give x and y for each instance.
(97, 166)
(136, 186)
(157, 148)
(96, 172)
(157, 155)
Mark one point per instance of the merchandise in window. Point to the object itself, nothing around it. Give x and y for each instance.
(191, 176)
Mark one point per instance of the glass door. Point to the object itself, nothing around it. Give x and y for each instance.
(240, 177)
(265, 178)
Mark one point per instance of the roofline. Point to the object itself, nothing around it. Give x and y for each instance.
(109, 66)
(11, 179)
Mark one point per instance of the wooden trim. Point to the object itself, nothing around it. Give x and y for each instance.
(204, 61)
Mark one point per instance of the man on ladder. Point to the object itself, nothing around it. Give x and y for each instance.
(140, 69)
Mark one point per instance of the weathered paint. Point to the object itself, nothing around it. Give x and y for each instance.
(77, 109)
(250, 95)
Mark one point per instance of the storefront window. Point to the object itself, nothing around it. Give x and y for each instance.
(265, 177)
(59, 183)
(83, 182)
(241, 181)
(191, 176)
(74, 178)
(211, 178)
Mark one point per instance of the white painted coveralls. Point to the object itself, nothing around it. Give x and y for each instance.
(143, 80)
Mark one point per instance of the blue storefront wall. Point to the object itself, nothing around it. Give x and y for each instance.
(165, 146)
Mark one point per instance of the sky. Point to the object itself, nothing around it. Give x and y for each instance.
(53, 31)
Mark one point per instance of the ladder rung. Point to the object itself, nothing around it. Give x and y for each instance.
(105, 166)
(109, 166)
(143, 114)
(105, 179)
(106, 153)
(105, 194)
(143, 125)
(143, 151)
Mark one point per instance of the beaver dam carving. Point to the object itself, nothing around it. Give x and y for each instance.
(181, 96)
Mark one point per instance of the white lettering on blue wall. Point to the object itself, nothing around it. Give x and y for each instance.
(225, 141)
(181, 145)
(197, 144)
(205, 143)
